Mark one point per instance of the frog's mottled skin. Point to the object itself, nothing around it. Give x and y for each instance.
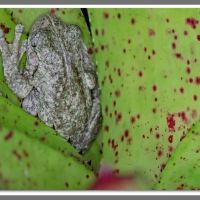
(59, 83)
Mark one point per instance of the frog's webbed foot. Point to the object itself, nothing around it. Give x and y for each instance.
(11, 59)
(82, 140)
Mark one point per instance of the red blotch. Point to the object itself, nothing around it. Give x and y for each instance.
(133, 21)
(105, 15)
(175, 37)
(173, 45)
(20, 11)
(154, 88)
(181, 90)
(194, 114)
(160, 153)
(151, 32)
(195, 60)
(183, 117)
(114, 103)
(157, 135)
(119, 15)
(153, 52)
(102, 32)
(8, 136)
(154, 110)
(129, 41)
(149, 57)
(185, 33)
(171, 122)
(63, 12)
(117, 93)
(188, 62)
(16, 154)
(197, 80)
(122, 138)
(132, 120)
(167, 20)
(36, 123)
(145, 49)
(102, 47)
(155, 99)
(96, 32)
(192, 22)
(188, 70)
(126, 133)
(116, 153)
(163, 166)
(106, 128)
(195, 97)
(138, 116)
(170, 138)
(124, 50)
(140, 74)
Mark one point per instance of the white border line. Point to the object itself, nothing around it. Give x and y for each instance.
(99, 6)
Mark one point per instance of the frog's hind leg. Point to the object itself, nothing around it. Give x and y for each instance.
(82, 140)
(14, 79)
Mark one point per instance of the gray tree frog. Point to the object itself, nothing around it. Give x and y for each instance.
(59, 82)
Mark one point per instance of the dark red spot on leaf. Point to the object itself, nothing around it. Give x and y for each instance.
(198, 37)
(192, 22)
(154, 88)
(197, 80)
(133, 21)
(8, 136)
(117, 93)
(140, 74)
(181, 90)
(133, 120)
(194, 114)
(119, 16)
(170, 138)
(188, 70)
(160, 153)
(154, 110)
(173, 45)
(157, 135)
(126, 133)
(185, 33)
(36, 123)
(195, 97)
(171, 122)
(15, 153)
(151, 32)
(105, 15)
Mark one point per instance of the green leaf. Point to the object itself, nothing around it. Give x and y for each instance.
(182, 169)
(149, 76)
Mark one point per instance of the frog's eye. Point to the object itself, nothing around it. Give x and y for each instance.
(34, 39)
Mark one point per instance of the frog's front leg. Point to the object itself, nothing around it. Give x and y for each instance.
(11, 59)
